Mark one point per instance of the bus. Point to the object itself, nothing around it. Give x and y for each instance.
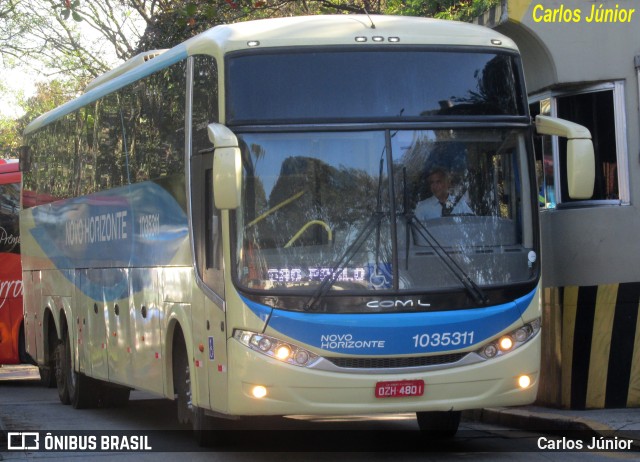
(236, 227)
(12, 350)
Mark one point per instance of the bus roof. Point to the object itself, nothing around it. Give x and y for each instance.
(321, 30)
(343, 30)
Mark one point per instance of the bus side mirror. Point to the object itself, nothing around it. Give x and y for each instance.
(581, 169)
(25, 158)
(227, 167)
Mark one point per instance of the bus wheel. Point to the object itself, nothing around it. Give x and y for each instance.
(439, 424)
(48, 375)
(48, 369)
(201, 423)
(83, 395)
(62, 357)
(79, 388)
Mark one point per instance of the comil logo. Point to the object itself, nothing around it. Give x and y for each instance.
(22, 441)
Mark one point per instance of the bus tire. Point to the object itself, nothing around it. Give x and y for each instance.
(47, 376)
(201, 423)
(439, 424)
(84, 396)
(62, 357)
(48, 369)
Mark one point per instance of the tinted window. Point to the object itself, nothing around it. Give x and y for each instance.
(347, 85)
(134, 134)
(9, 209)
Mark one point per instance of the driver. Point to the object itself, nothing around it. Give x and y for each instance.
(442, 203)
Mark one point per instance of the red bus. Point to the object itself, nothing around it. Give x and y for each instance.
(12, 349)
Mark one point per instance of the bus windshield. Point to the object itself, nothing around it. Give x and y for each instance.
(357, 211)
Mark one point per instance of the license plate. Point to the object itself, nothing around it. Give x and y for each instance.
(400, 389)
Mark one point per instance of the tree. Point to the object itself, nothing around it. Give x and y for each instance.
(48, 96)
(461, 10)
(40, 34)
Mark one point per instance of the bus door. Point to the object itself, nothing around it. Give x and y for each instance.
(209, 318)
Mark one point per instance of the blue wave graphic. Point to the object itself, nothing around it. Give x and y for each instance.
(136, 226)
(381, 334)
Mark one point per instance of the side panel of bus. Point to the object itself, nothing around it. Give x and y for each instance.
(98, 271)
(11, 343)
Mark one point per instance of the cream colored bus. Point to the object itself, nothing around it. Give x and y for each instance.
(243, 223)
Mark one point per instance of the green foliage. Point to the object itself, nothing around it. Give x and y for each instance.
(461, 10)
(48, 96)
(9, 137)
(69, 9)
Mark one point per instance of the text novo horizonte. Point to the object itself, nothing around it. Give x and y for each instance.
(347, 342)
(106, 227)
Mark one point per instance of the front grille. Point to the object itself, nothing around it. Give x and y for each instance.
(394, 363)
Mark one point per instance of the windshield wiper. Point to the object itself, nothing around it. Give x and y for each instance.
(412, 223)
(344, 260)
(373, 222)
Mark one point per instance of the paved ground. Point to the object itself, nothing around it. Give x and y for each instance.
(609, 423)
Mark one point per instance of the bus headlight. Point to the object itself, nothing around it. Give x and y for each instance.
(283, 351)
(510, 341)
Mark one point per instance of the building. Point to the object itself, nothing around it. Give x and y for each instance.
(582, 63)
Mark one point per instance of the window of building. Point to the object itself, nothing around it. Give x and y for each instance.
(600, 108)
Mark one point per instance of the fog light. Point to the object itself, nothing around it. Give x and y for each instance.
(524, 381)
(259, 391)
(506, 343)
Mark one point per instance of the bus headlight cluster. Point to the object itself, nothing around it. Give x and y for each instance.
(275, 348)
(510, 341)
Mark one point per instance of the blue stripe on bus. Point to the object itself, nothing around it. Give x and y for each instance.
(394, 333)
(140, 225)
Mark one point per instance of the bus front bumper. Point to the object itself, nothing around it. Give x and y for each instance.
(297, 390)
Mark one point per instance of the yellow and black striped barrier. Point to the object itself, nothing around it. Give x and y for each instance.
(591, 348)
